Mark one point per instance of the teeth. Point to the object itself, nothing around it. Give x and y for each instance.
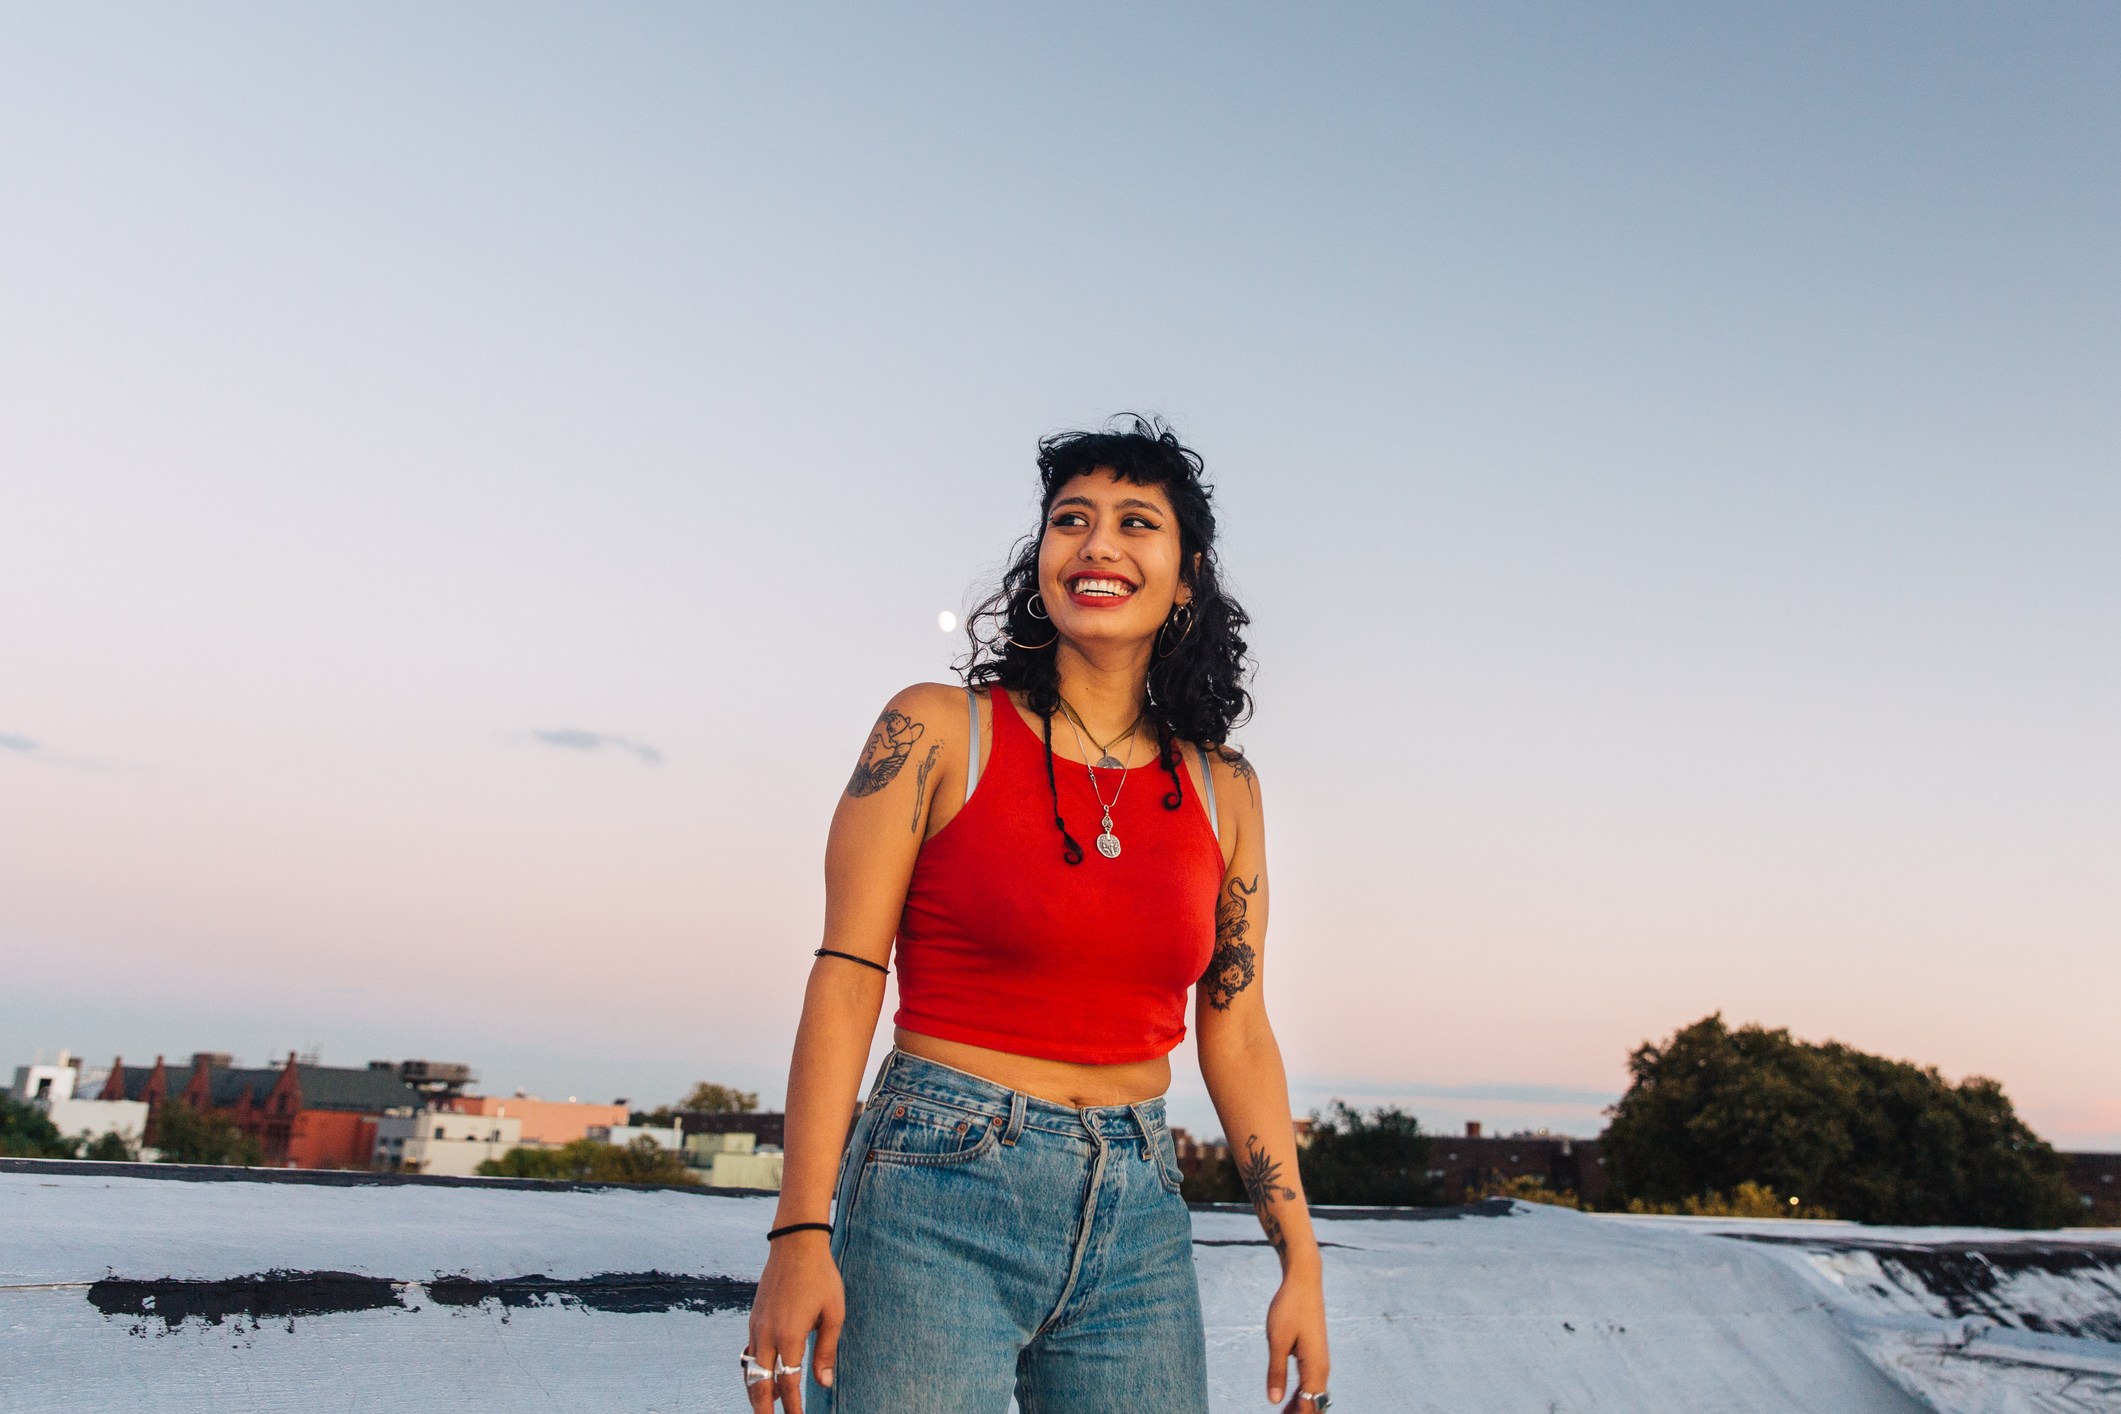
(1114, 588)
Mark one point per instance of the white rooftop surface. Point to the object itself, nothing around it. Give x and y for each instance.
(1536, 1309)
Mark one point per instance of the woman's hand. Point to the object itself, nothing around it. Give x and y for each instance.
(799, 1292)
(1296, 1324)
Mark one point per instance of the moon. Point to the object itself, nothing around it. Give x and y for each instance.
(946, 621)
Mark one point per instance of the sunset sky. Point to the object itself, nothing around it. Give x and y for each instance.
(470, 475)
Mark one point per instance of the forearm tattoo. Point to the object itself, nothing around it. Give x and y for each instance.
(1261, 1174)
(920, 785)
(890, 741)
(1234, 966)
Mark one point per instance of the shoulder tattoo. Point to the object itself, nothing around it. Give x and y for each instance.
(890, 741)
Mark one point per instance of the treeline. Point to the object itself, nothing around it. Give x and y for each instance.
(590, 1161)
(1740, 1123)
(1877, 1140)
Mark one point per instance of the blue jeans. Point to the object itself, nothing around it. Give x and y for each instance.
(992, 1243)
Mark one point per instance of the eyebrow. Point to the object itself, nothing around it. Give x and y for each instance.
(1130, 503)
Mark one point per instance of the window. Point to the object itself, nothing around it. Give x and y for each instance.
(438, 1131)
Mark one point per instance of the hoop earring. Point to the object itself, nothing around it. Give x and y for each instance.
(1185, 632)
(1036, 608)
(1034, 647)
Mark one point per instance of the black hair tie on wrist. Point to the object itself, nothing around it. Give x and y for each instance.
(798, 1227)
(828, 952)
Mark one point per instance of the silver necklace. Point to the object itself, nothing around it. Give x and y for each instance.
(1107, 843)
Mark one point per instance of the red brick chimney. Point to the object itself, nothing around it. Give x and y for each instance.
(1472, 1129)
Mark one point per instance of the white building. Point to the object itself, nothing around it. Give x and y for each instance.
(443, 1141)
(734, 1160)
(92, 1119)
(51, 1088)
(46, 1082)
(624, 1134)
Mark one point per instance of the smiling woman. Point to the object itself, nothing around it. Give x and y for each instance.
(1006, 1216)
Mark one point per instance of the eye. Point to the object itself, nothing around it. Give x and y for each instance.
(1069, 518)
(1137, 521)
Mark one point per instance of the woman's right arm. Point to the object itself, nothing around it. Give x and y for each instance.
(915, 747)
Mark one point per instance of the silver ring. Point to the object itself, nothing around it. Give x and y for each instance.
(779, 1369)
(1320, 1401)
(754, 1372)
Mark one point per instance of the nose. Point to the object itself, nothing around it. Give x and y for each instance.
(1099, 544)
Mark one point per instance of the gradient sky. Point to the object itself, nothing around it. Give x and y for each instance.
(470, 475)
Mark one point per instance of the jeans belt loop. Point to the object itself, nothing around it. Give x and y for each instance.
(1141, 1129)
(1018, 1108)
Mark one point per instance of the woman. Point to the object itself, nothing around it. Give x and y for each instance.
(1007, 1210)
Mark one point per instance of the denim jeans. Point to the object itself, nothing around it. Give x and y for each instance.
(992, 1243)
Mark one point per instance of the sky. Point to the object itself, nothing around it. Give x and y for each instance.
(469, 476)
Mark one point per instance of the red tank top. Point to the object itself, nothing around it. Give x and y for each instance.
(1006, 945)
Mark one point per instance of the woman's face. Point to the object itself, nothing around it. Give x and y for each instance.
(1108, 564)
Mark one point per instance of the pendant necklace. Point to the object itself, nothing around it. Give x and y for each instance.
(1107, 843)
(1106, 760)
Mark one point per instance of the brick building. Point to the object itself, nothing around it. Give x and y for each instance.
(2097, 1179)
(303, 1116)
(547, 1124)
(1471, 1160)
(770, 1126)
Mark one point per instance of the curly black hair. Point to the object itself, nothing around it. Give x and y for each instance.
(1199, 665)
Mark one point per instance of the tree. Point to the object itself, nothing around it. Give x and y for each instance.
(27, 1133)
(588, 1161)
(704, 1098)
(1374, 1161)
(111, 1148)
(711, 1099)
(189, 1136)
(1877, 1140)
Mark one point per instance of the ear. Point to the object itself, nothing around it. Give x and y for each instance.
(1185, 581)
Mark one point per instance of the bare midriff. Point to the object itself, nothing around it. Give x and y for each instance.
(1063, 1082)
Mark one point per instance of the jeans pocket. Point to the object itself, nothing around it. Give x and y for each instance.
(1167, 1167)
(913, 1130)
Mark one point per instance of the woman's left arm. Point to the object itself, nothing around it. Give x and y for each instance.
(1242, 1066)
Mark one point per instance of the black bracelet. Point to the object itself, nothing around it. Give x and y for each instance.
(828, 952)
(798, 1227)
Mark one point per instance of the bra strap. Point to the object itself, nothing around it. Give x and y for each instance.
(1207, 792)
(972, 761)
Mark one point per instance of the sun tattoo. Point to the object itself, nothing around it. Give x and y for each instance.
(890, 741)
(920, 784)
(1234, 965)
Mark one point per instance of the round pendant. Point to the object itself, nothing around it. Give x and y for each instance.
(1109, 764)
(1108, 845)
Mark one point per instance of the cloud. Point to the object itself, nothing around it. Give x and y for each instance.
(575, 739)
(37, 751)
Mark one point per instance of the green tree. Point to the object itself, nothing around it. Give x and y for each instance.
(111, 1148)
(26, 1133)
(189, 1136)
(1379, 1160)
(588, 1161)
(711, 1099)
(1877, 1140)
